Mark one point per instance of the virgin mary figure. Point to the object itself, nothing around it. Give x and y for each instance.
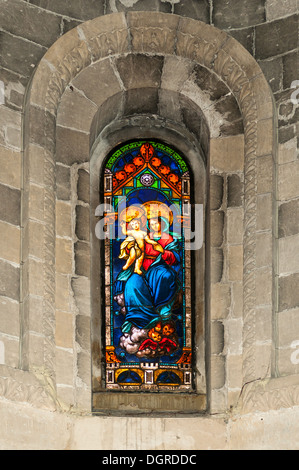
(149, 297)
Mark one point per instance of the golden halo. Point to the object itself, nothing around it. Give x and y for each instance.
(132, 212)
(156, 209)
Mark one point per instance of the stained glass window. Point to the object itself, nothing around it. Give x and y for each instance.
(148, 297)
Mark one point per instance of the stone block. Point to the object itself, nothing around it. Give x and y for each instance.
(62, 293)
(193, 9)
(10, 242)
(105, 36)
(288, 254)
(278, 8)
(263, 323)
(141, 101)
(35, 195)
(9, 317)
(33, 240)
(152, 32)
(264, 286)
(83, 365)
(264, 249)
(216, 264)
(83, 186)
(264, 174)
(288, 291)
(217, 227)
(234, 14)
(68, 24)
(9, 280)
(264, 212)
(227, 154)
(32, 315)
(10, 204)
(234, 191)
(288, 181)
(68, 115)
(82, 259)
(234, 372)
(288, 327)
(81, 290)
(237, 299)
(288, 218)
(83, 331)
(234, 329)
(216, 191)
(64, 367)
(11, 351)
(235, 263)
(81, 9)
(273, 71)
(41, 128)
(140, 69)
(210, 83)
(64, 329)
(63, 219)
(24, 20)
(263, 97)
(265, 137)
(63, 183)
(176, 71)
(10, 163)
(19, 55)
(217, 372)
(277, 37)
(82, 223)
(235, 218)
(98, 82)
(10, 127)
(290, 68)
(64, 256)
(220, 301)
(287, 361)
(217, 337)
(244, 36)
(72, 146)
(286, 133)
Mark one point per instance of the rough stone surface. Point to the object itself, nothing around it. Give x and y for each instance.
(231, 13)
(9, 280)
(151, 79)
(10, 204)
(288, 218)
(277, 37)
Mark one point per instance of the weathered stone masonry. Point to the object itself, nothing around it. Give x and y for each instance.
(56, 126)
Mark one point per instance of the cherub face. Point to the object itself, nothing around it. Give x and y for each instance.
(154, 335)
(135, 224)
(168, 330)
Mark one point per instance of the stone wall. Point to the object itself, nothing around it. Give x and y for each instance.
(268, 29)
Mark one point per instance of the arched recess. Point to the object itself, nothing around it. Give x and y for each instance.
(78, 86)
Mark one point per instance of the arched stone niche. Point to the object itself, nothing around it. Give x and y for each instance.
(184, 82)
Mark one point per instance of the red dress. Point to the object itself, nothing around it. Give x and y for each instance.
(151, 254)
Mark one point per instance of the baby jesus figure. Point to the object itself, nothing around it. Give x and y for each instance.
(134, 243)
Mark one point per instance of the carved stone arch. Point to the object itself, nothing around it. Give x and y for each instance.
(99, 45)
